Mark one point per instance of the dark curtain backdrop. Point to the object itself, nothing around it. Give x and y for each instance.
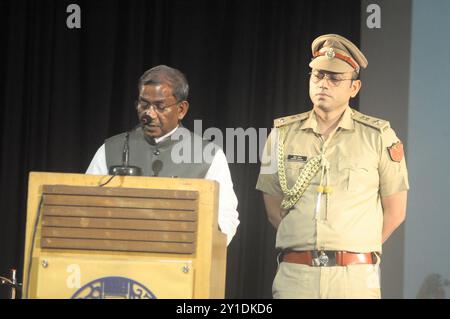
(63, 91)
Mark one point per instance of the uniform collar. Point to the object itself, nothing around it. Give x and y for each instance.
(311, 122)
(346, 121)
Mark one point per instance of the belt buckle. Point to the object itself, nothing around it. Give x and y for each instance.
(320, 260)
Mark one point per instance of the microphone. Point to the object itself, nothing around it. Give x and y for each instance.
(126, 151)
(157, 167)
(145, 119)
(125, 169)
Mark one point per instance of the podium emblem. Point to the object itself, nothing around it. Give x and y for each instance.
(113, 288)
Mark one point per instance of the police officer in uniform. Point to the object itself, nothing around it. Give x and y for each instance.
(334, 184)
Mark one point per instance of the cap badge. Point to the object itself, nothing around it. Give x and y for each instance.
(330, 54)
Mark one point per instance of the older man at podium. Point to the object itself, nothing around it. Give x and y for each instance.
(149, 149)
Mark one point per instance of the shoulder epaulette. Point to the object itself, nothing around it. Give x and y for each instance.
(371, 121)
(290, 119)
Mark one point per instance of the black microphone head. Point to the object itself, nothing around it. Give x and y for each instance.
(145, 119)
(157, 167)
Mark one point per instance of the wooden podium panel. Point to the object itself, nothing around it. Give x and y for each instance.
(83, 278)
(119, 219)
(134, 235)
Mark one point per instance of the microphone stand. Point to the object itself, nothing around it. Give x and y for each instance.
(125, 169)
(12, 283)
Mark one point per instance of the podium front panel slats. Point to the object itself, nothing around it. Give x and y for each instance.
(111, 223)
(117, 245)
(113, 234)
(119, 219)
(125, 202)
(112, 212)
(117, 192)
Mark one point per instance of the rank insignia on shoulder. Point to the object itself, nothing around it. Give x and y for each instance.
(396, 151)
(290, 119)
(297, 158)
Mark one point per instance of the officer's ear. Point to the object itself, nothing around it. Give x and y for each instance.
(182, 110)
(355, 87)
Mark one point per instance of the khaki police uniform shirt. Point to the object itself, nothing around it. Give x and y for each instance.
(361, 170)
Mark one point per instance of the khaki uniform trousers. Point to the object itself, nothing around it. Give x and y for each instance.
(297, 281)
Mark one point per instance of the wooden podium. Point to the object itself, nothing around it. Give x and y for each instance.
(136, 237)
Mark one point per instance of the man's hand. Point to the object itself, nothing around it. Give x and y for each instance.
(273, 209)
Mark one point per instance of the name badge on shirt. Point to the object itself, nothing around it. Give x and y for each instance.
(297, 158)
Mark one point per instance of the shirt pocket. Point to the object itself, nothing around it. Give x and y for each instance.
(356, 175)
(293, 170)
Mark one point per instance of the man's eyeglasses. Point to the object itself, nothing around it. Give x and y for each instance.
(157, 107)
(333, 79)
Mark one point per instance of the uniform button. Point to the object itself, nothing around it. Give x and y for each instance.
(156, 152)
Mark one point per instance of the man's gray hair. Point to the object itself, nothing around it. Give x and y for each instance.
(163, 74)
